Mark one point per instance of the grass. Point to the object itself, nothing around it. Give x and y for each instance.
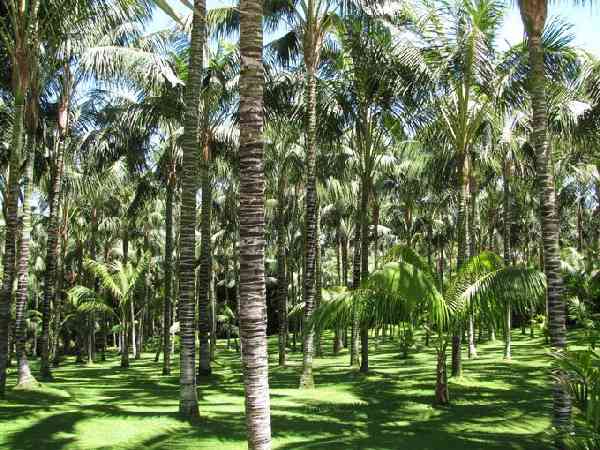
(495, 405)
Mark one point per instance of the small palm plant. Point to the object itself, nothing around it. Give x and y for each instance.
(579, 374)
(407, 287)
(119, 282)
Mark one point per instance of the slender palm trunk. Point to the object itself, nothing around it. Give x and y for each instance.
(364, 266)
(188, 399)
(318, 283)
(124, 341)
(354, 343)
(282, 285)
(310, 225)
(167, 318)
(51, 257)
(253, 310)
(472, 350)
(461, 233)
(533, 13)
(345, 260)
(25, 377)
(11, 206)
(508, 258)
(204, 272)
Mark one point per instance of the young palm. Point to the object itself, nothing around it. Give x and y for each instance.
(121, 282)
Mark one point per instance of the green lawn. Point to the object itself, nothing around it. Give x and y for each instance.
(497, 405)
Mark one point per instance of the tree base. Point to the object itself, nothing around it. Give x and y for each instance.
(204, 372)
(307, 381)
(188, 409)
(30, 384)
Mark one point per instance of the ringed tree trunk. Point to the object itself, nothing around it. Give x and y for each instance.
(533, 14)
(318, 283)
(442, 395)
(354, 344)
(472, 349)
(253, 310)
(204, 272)
(124, 341)
(282, 285)
(364, 265)
(310, 226)
(508, 257)
(50, 278)
(188, 398)
(167, 318)
(461, 225)
(25, 378)
(11, 201)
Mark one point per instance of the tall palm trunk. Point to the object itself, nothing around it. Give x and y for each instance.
(282, 285)
(364, 266)
(310, 226)
(25, 377)
(253, 310)
(533, 14)
(204, 272)
(188, 399)
(461, 234)
(52, 248)
(124, 341)
(167, 318)
(354, 343)
(11, 206)
(508, 258)
(318, 283)
(472, 350)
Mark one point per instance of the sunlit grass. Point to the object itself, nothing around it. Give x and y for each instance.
(495, 405)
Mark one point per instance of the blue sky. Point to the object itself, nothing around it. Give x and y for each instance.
(585, 21)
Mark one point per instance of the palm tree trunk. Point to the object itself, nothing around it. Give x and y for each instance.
(204, 272)
(354, 344)
(508, 257)
(533, 13)
(472, 350)
(25, 378)
(124, 341)
(188, 399)
(461, 234)
(310, 226)
(282, 291)
(51, 257)
(11, 201)
(318, 283)
(344, 260)
(62, 239)
(364, 266)
(167, 318)
(253, 310)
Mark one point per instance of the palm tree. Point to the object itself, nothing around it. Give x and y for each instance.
(534, 14)
(253, 313)
(121, 281)
(188, 401)
(20, 39)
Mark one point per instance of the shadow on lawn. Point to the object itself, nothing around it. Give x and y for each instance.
(389, 408)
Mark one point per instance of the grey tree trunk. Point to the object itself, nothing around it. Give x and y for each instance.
(204, 272)
(11, 200)
(188, 398)
(310, 226)
(25, 378)
(167, 307)
(253, 309)
(533, 14)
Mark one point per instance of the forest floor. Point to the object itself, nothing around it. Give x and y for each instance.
(495, 405)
